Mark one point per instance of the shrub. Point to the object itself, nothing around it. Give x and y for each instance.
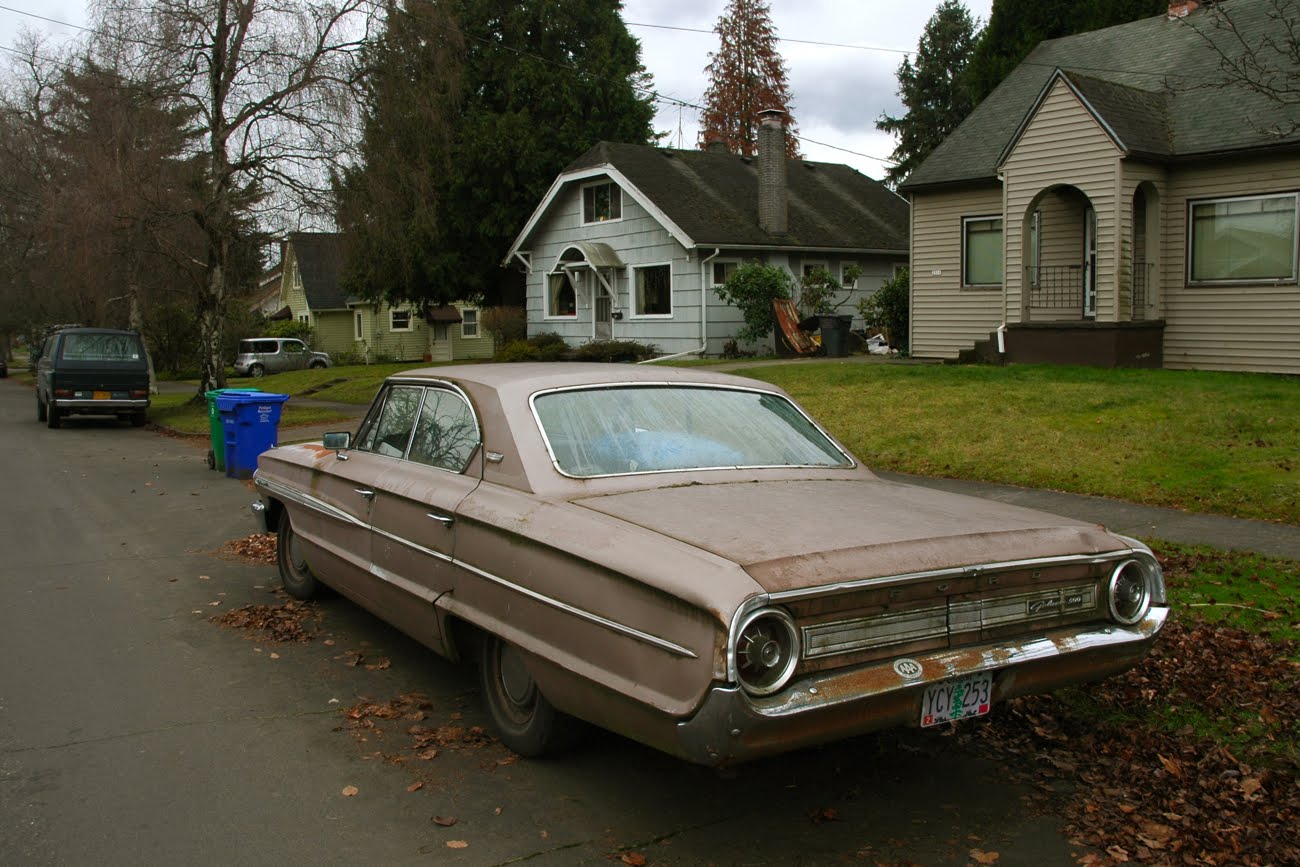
(614, 351)
(547, 346)
(752, 288)
(886, 309)
(506, 324)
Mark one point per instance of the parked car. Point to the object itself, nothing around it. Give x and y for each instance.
(264, 355)
(690, 560)
(92, 371)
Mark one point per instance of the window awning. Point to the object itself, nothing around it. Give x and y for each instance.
(592, 254)
(444, 314)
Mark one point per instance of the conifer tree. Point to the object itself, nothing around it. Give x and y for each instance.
(746, 76)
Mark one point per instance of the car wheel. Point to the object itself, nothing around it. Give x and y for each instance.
(256, 370)
(317, 365)
(40, 407)
(524, 720)
(295, 574)
(52, 416)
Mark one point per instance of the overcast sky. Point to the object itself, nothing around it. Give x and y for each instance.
(838, 91)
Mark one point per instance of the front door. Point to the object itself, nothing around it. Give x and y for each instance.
(604, 308)
(1089, 264)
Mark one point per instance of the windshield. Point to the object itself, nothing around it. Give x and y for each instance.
(647, 429)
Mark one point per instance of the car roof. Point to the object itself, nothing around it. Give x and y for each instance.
(536, 376)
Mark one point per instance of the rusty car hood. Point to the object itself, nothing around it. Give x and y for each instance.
(793, 534)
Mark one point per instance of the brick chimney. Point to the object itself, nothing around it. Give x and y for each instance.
(772, 196)
(1182, 8)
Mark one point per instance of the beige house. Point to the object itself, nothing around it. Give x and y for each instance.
(348, 327)
(1118, 200)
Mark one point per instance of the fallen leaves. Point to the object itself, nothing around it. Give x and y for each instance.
(445, 821)
(258, 548)
(292, 621)
(457, 844)
(350, 791)
(634, 859)
(401, 718)
(979, 856)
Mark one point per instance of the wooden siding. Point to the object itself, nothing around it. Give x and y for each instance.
(639, 239)
(1063, 145)
(947, 318)
(1241, 327)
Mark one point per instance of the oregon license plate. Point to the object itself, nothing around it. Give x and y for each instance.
(957, 699)
(103, 395)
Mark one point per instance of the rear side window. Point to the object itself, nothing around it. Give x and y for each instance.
(101, 347)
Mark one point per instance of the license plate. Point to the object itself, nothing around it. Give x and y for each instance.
(957, 699)
(103, 395)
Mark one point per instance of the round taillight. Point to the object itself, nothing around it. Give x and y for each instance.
(767, 650)
(1128, 593)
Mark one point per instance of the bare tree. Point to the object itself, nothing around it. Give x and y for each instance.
(268, 84)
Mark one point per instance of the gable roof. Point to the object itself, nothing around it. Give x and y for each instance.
(320, 264)
(1156, 84)
(708, 199)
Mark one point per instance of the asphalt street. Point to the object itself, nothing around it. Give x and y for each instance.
(134, 730)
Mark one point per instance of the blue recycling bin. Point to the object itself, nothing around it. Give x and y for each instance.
(251, 424)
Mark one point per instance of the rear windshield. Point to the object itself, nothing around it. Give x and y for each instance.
(101, 347)
(647, 429)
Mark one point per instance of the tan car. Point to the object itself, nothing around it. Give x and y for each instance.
(688, 559)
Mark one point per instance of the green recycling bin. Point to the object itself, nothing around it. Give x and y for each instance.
(217, 454)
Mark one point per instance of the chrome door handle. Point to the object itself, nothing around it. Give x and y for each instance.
(365, 492)
(445, 520)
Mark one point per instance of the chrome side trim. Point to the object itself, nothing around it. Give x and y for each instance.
(281, 490)
(613, 626)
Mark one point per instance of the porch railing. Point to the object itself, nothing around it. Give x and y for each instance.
(1055, 287)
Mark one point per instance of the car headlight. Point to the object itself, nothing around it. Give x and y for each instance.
(766, 651)
(1131, 588)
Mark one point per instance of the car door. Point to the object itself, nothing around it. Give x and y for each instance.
(413, 515)
(293, 355)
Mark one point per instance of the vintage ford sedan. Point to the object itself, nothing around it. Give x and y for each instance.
(690, 560)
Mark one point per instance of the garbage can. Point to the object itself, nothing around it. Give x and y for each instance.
(217, 454)
(250, 422)
(835, 335)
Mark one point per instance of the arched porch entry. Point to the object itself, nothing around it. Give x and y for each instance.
(1059, 246)
(591, 269)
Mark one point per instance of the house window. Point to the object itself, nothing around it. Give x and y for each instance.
(722, 271)
(400, 321)
(303, 318)
(469, 323)
(561, 300)
(844, 276)
(1240, 239)
(810, 267)
(601, 202)
(358, 329)
(981, 260)
(654, 291)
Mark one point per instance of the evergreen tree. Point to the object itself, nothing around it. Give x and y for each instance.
(1016, 26)
(933, 89)
(746, 76)
(473, 107)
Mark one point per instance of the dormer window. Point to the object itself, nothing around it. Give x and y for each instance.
(602, 202)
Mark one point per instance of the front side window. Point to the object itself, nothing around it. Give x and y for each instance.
(388, 431)
(1249, 238)
(401, 320)
(561, 300)
(446, 434)
(654, 291)
(293, 347)
(648, 429)
(469, 323)
(602, 202)
(982, 251)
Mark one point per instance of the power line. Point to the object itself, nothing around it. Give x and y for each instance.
(43, 18)
(778, 39)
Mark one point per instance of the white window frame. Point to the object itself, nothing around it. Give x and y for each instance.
(813, 264)
(844, 266)
(468, 329)
(717, 262)
(547, 312)
(965, 279)
(634, 298)
(616, 189)
(359, 325)
(1237, 281)
(392, 321)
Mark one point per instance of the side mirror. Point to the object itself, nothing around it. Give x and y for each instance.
(340, 441)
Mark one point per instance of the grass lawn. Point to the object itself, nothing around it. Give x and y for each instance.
(1207, 442)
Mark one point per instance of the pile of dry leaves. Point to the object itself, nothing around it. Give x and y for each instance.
(1146, 787)
(402, 717)
(292, 621)
(258, 548)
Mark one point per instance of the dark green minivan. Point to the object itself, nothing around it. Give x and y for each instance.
(92, 371)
